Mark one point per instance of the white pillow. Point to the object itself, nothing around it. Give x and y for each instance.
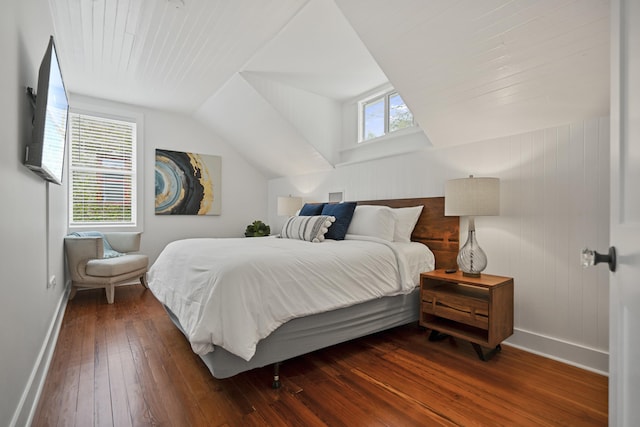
(406, 220)
(374, 221)
(309, 228)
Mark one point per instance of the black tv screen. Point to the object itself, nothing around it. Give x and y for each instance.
(45, 153)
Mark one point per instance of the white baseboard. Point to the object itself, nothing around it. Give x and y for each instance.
(26, 409)
(573, 354)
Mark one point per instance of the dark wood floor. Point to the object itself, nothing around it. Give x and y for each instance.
(127, 365)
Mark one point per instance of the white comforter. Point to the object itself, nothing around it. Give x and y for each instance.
(234, 292)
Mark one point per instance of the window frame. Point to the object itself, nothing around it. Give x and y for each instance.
(385, 96)
(137, 193)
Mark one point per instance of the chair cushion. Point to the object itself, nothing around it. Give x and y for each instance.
(110, 267)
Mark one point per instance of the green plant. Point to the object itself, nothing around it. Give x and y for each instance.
(257, 229)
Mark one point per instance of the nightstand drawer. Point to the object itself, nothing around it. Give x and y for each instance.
(469, 309)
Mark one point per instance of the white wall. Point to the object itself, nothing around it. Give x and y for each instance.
(555, 200)
(32, 219)
(244, 189)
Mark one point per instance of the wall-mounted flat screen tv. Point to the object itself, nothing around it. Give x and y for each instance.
(45, 152)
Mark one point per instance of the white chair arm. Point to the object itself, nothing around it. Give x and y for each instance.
(79, 251)
(84, 247)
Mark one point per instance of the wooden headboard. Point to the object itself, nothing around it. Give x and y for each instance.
(440, 233)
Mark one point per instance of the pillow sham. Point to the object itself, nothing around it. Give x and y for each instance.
(374, 221)
(311, 209)
(406, 220)
(343, 212)
(309, 228)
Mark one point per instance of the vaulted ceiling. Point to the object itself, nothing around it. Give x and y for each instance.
(270, 76)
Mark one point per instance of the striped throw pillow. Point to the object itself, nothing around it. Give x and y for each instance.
(309, 228)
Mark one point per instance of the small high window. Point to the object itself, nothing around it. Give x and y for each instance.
(383, 114)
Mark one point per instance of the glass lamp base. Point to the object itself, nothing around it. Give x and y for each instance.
(471, 259)
(464, 273)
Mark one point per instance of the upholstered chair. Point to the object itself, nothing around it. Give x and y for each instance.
(89, 268)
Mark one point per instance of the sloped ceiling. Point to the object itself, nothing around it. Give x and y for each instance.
(473, 70)
(318, 51)
(166, 54)
(240, 114)
(302, 74)
(269, 76)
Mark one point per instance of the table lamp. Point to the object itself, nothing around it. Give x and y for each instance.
(472, 197)
(288, 205)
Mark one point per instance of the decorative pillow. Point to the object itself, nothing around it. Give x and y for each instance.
(406, 220)
(374, 221)
(309, 228)
(311, 209)
(343, 213)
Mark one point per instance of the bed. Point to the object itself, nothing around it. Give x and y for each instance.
(266, 327)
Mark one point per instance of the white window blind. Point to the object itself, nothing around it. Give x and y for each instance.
(102, 170)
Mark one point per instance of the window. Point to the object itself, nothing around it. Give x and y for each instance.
(102, 171)
(384, 114)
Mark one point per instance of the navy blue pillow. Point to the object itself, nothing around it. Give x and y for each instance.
(343, 213)
(311, 209)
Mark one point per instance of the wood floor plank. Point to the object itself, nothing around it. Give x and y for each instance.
(210, 397)
(469, 391)
(69, 387)
(127, 365)
(119, 368)
(157, 412)
(129, 406)
(104, 379)
(84, 408)
(428, 388)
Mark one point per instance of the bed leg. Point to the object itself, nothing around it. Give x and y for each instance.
(276, 376)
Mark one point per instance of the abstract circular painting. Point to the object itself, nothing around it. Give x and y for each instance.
(187, 183)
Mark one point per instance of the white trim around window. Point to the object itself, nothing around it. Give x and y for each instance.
(136, 172)
(376, 114)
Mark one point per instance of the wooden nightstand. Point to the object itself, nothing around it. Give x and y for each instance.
(476, 309)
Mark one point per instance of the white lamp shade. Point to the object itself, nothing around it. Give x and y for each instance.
(288, 206)
(472, 197)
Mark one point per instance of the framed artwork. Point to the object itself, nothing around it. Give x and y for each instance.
(187, 183)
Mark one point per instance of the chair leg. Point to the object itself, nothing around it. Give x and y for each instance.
(143, 280)
(73, 292)
(110, 290)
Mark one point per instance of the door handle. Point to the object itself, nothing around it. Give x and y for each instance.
(590, 257)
